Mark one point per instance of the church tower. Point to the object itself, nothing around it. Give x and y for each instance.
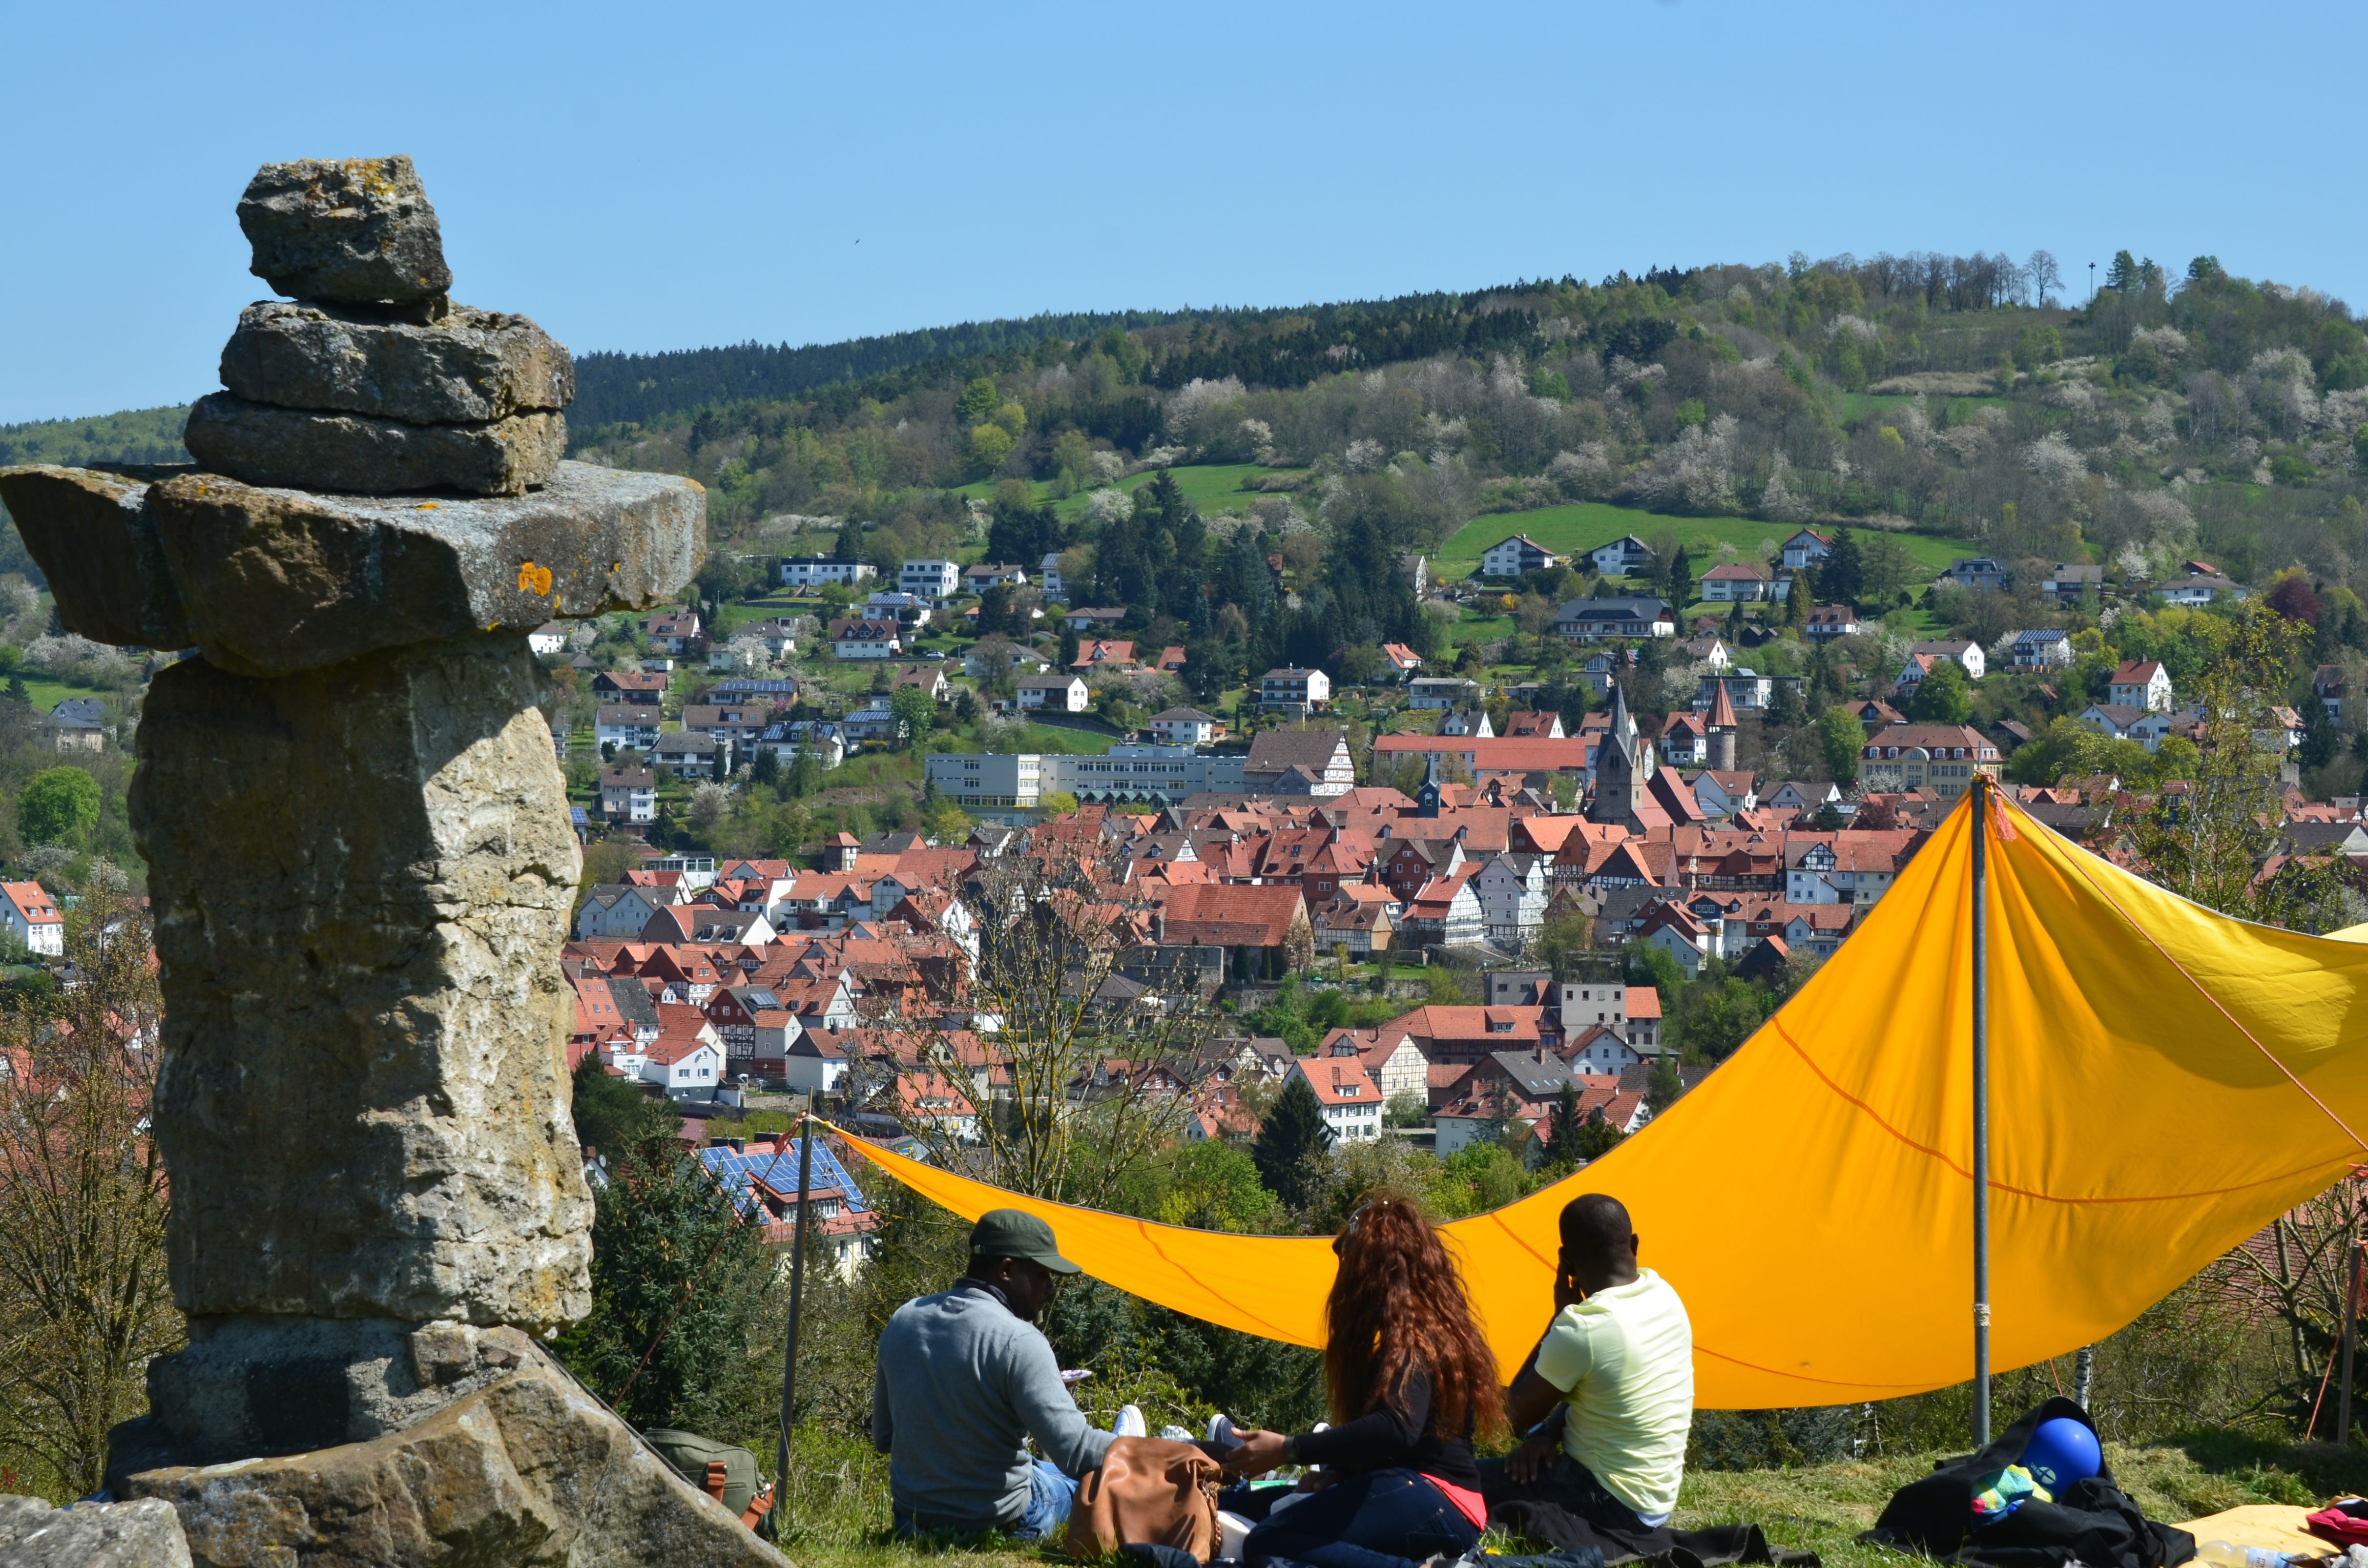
(1722, 728)
(1619, 767)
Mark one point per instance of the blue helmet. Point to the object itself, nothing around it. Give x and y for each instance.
(2060, 1453)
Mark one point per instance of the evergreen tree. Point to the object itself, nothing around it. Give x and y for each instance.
(1663, 1087)
(1843, 576)
(674, 1268)
(2320, 741)
(1561, 1138)
(1681, 579)
(1291, 1139)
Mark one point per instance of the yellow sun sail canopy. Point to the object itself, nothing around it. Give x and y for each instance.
(2163, 1082)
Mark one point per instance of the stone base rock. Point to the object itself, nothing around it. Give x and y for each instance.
(266, 445)
(472, 367)
(143, 1534)
(531, 1470)
(351, 229)
(277, 1385)
(361, 878)
(96, 540)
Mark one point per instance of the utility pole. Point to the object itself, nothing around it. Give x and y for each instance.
(2092, 282)
(1981, 821)
(806, 1125)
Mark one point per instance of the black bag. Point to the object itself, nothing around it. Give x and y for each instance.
(2091, 1522)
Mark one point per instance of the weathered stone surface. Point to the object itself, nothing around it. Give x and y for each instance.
(140, 1534)
(361, 878)
(263, 444)
(280, 580)
(529, 1470)
(472, 366)
(92, 533)
(351, 231)
(276, 1385)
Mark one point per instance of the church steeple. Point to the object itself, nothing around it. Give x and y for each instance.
(1720, 727)
(1619, 766)
(1426, 800)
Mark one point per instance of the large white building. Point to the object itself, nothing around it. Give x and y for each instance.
(33, 920)
(814, 570)
(1020, 780)
(930, 579)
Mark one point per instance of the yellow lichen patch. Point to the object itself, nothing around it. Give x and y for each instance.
(533, 579)
(426, 505)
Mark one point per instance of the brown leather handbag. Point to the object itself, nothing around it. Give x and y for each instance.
(1149, 1490)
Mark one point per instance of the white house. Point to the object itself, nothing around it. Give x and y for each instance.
(1512, 557)
(814, 570)
(1294, 692)
(1186, 727)
(1351, 1101)
(686, 1058)
(1806, 549)
(908, 610)
(1048, 576)
(1600, 1051)
(866, 639)
(1968, 655)
(33, 920)
(2043, 649)
(629, 726)
(1735, 582)
(1061, 694)
(629, 793)
(547, 639)
(1512, 891)
(2142, 684)
(1623, 557)
(930, 579)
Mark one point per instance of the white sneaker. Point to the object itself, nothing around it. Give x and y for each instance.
(1131, 1424)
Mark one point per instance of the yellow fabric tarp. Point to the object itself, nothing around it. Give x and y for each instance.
(1812, 1200)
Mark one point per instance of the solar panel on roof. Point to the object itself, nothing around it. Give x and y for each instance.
(736, 1169)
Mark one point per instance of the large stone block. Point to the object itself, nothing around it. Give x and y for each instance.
(140, 1534)
(264, 444)
(472, 366)
(95, 538)
(281, 580)
(361, 878)
(352, 231)
(531, 1470)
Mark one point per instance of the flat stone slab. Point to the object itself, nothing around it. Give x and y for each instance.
(531, 1470)
(96, 540)
(290, 580)
(284, 580)
(350, 230)
(264, 444)
(472, 366)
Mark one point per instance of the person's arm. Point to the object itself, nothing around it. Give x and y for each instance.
(1561, 1358)
(883, 1424)
(1042, 1401)
(1374, 1440)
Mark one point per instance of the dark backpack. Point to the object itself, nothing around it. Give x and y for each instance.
(2091, 1522)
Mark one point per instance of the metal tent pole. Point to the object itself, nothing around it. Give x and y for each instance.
(797, 1294)
(1981, 1113)
(2350, 1336)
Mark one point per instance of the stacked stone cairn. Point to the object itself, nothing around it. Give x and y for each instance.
(361, 867)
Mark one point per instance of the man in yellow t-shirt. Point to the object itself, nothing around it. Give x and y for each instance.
(1607, 1394)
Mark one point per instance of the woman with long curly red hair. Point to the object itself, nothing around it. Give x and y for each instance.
(1409, 1381)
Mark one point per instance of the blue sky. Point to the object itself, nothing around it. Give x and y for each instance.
(643, 178)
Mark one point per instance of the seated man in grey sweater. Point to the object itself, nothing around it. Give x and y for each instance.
(963, 1376)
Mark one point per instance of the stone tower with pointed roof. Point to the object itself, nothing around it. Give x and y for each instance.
(1720, 727)
(1619, 766)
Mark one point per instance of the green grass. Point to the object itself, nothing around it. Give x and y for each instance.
(838, 1498)
(1857, 405)
(47, 694)
(1585, 524)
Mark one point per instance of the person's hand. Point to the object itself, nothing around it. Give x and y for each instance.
(1529, 1460)
(1260, 1451)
